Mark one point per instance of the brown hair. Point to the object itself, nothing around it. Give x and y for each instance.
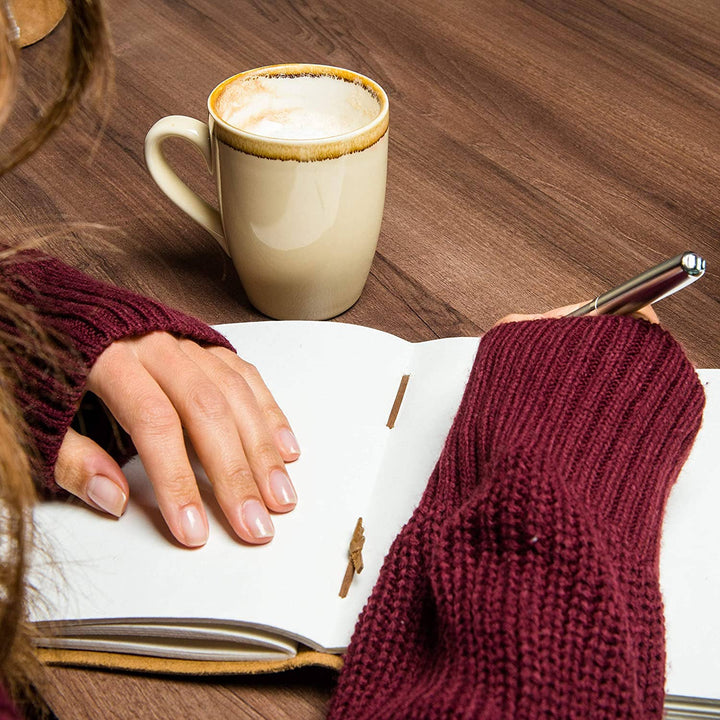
(88, 58)
(17, 496)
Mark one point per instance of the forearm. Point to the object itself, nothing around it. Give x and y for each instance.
(590, 397)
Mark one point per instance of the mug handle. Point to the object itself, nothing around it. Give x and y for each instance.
(198, 134)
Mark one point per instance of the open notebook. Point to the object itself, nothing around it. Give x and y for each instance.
(125, 587)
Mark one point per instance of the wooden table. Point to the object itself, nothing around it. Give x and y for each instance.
(541, 152)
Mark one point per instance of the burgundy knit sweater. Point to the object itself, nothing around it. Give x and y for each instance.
(525, 585)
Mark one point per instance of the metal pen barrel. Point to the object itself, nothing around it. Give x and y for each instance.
(650, 286)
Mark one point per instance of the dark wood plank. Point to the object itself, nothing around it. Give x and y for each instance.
(85, 695)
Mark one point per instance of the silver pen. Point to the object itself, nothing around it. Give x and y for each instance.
(650, 286)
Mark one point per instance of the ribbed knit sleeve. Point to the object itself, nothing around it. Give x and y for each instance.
(80, 317)
(606, 402)
(525, 585)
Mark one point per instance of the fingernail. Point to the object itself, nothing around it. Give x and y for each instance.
(194, 527)
(257, 520)
(287, 442)
(107, 495)
(282, 489)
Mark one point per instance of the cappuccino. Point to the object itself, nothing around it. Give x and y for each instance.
(296, 107)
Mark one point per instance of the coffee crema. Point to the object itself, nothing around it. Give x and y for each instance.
(296, 107)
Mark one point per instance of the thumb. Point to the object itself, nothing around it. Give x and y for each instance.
(85, 470)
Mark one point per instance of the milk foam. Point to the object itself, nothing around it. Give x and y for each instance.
(296, 107)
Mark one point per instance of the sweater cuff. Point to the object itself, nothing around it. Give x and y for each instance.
(612, 400)
(81, 317)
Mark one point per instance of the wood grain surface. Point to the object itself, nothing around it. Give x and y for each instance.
(541, 152)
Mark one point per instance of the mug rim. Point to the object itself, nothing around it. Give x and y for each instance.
(308, 149)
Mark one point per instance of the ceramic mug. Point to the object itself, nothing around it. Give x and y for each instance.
(299, 155)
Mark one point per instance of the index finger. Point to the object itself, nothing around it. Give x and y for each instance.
(554, 313)
(145, 412)
(646, 313)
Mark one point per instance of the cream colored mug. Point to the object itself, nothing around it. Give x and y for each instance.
(299, 155)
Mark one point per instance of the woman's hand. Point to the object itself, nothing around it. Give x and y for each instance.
(646, 313)
(158, 386)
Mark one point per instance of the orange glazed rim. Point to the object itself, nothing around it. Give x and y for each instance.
(302, 150)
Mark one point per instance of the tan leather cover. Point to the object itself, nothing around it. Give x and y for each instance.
(139, 663)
